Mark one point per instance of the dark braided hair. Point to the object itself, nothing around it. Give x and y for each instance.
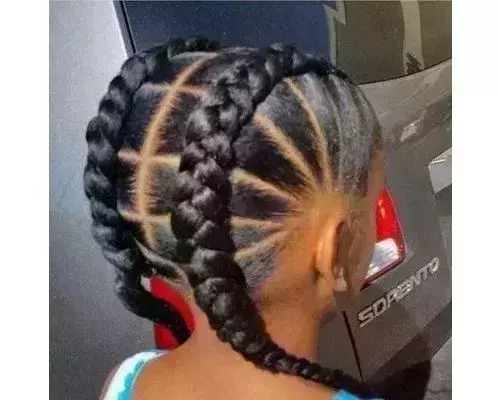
(104, 140)
(206, 174)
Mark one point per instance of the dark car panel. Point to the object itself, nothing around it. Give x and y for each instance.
(418, 212)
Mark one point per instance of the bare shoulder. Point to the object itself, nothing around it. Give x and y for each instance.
(155, 379)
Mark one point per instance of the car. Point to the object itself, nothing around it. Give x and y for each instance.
(401, 58)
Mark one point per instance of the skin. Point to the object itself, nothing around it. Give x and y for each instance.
(303, 289)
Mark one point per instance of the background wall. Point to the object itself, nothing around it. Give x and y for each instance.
(90, 331)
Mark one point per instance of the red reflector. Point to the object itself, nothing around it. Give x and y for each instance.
(389, 248)
(163, 337)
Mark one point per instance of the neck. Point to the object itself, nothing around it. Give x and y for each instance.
(292, 329)
(207, 355)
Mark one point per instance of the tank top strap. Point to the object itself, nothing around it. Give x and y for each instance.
(345, 395)
(122, 383)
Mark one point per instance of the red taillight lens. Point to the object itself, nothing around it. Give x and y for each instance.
(389, 248)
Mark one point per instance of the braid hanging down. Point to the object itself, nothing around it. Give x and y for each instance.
(200, 221)
(198, 229)
(108, 228)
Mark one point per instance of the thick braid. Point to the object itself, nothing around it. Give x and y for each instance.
(200, 220)
(104, 140)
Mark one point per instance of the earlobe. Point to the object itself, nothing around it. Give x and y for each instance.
(328, 266)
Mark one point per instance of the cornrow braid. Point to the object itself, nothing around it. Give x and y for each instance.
(104, 138)
(200, 220)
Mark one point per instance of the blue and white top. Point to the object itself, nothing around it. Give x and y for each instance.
(122, 383)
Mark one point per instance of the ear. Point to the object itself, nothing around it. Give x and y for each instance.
(330, 270)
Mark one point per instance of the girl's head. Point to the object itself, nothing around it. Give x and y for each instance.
(248, 177)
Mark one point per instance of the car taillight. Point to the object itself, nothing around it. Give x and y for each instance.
(389, 248)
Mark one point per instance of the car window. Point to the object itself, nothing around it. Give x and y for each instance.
(371, 40)
(380, 40)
